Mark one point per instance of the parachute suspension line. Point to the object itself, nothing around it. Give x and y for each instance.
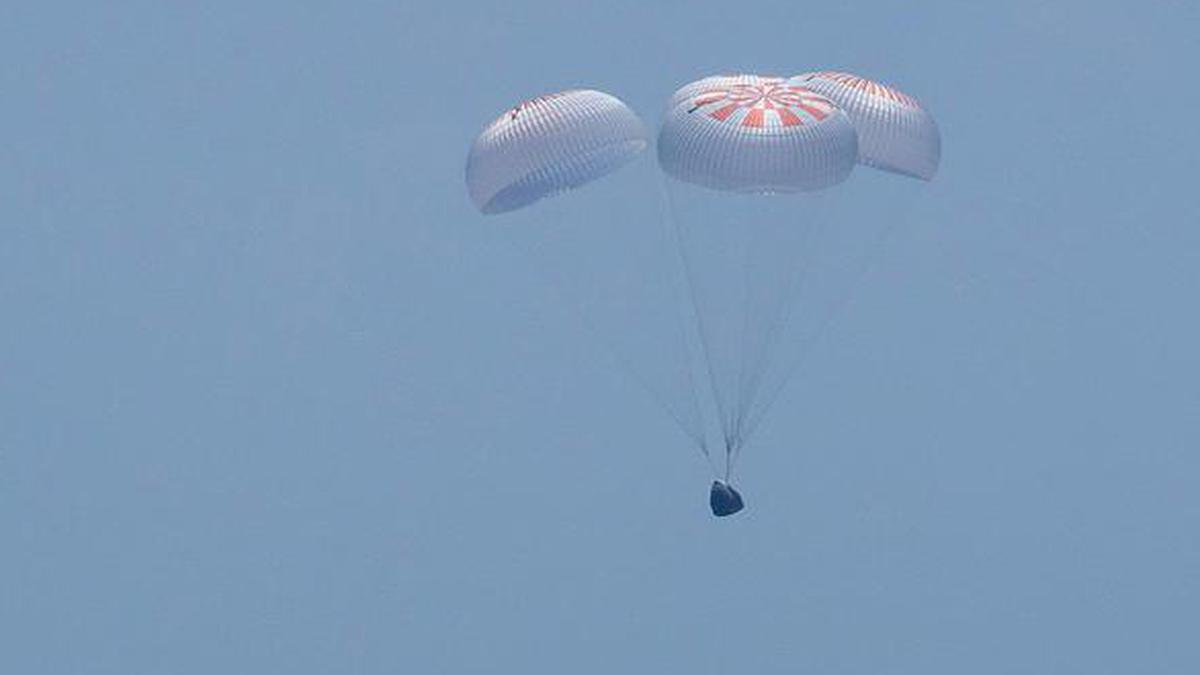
(689, 277)
(680, 323)
(696, 435)
(744, 355)
(800, 268)
(810, 244)
(868, 261)
(729, 454)
(742, 339)
(779, 316)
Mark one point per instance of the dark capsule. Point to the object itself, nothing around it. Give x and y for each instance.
(724, 500)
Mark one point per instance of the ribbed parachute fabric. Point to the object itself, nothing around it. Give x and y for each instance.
(895, 132)
(550, 144)
(747, 133)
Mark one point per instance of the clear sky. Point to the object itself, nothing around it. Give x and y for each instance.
(275, 398)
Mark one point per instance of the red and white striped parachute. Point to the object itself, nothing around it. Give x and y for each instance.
(749, 133)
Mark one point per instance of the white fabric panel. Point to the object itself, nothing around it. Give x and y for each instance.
(748, 133)
(550, 144)
(895, 133)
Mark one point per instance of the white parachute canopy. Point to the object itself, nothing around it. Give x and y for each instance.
(550, 144)
(895, 133)
(748, 133)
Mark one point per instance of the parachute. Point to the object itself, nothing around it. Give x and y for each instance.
(548, 145)
(761, 249)
(895, 133)
(746, 133)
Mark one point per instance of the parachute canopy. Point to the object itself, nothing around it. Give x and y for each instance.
(550, 144)
(750, 133)
(895, 133)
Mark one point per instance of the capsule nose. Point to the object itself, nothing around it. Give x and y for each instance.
(724, 500)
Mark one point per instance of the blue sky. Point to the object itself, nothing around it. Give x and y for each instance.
(273, 397)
